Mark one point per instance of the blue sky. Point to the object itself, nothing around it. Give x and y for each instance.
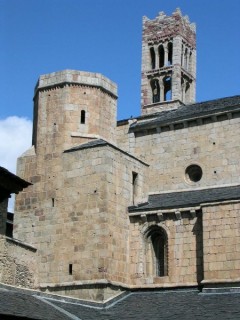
(43, 36)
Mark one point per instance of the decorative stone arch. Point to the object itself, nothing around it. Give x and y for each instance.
(156, 250)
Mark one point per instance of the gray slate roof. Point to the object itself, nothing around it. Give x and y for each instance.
(192, 111)
(90, 144)
(182, 304)
(188, 198)
(100, 143)
(27, 306)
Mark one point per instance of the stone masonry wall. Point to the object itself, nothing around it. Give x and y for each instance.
(59, 100)
(17, 263)
(79, 219)
(184, 252)
(214, 147)
(221, 242)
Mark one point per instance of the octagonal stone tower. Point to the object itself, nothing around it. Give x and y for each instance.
(168, 62)
(71, 107)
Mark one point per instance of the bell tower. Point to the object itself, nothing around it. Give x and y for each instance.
(168, 62)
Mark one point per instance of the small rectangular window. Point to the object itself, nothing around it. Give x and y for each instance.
(83, 116)
(70, 269)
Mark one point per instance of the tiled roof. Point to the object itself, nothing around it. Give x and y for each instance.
(192, 111)
(188, 198)
(173, 305)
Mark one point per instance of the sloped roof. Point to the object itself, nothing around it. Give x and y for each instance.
(190, 198)
(10, 183)
(26, 306)
(186, 112)
(101, 143)
(184, 304)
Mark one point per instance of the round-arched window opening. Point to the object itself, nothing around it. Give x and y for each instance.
(194, 173)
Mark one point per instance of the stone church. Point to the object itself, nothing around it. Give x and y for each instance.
(141, 204)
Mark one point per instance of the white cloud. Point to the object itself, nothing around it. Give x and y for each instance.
(15, 138)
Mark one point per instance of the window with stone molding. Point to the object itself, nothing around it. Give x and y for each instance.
(158, 240)
(193, 173)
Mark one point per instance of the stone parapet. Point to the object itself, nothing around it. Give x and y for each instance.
(78, 78)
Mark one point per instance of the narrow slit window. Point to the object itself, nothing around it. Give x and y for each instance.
(70, 268)
(134, 186)
(83, 116)
(53, 202)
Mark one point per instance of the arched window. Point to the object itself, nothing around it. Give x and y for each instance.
(153, 58)
(155, 91)
(161, 56)
(167, 83)
(83, 116)
(170, 53)
(159, 241)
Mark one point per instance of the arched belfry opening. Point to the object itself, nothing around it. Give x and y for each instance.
(158, 256)
(153, 58)
(161, 56)
(155, 91)
(167, 83)
(168, 53)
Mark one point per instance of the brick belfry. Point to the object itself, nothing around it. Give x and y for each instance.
(168, 62)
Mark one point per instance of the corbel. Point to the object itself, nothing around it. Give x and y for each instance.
(143, 217)
(193, 213)
(178, 215)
